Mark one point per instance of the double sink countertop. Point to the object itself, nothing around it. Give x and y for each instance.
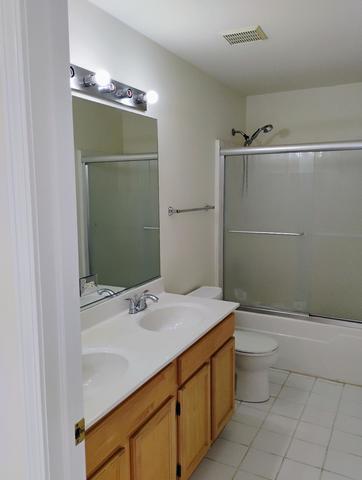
(122, 352)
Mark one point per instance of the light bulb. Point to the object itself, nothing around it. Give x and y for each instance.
(102, 78)
(152, 97)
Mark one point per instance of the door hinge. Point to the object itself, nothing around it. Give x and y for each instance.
(79, 431)
(178, 470)
(178, 409)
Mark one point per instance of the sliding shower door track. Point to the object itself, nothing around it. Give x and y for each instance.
(303, 316)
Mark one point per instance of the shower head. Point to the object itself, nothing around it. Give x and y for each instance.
(249, 139)
(267, 128)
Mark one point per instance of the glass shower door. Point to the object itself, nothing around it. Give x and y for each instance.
(335, 276)
(265, 230)
(293, 232)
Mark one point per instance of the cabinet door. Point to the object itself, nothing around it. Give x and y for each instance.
(222, 387)
(115, 469)
(194, 432)
(153, 447)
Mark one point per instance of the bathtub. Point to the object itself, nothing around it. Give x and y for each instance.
(324, 348)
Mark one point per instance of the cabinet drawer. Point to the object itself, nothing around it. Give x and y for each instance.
(200, 353)
(112, 432)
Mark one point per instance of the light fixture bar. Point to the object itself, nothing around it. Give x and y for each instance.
(85, 81)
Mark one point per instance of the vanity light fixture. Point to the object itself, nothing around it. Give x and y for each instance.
(100, 84)
(124, 93)
(102, 78)
(152, 97)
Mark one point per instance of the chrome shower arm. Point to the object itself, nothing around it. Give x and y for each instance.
(246, 137)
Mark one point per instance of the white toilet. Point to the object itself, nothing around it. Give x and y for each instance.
(255, 354)
(207, 292)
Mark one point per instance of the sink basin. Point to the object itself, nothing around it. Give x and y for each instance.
(102, 370)
(172, 318)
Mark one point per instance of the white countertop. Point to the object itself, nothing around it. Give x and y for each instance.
(147, 352)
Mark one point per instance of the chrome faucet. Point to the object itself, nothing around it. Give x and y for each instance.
(108, 291)
(138, 303)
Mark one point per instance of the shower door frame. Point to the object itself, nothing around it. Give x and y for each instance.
(220, 154)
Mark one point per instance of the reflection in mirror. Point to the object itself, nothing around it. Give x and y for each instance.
(117, 199)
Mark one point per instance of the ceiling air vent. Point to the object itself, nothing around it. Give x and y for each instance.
(245, 35)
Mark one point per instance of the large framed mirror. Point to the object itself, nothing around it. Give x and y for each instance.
(116, 156)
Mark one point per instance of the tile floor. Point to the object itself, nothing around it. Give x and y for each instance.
(311, 429)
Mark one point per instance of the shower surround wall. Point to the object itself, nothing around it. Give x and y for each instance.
(311, 115)
(193, 111)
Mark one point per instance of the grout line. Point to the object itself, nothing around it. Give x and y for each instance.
(260, 427)
(294, 431)
(334, 421)
(292, 436)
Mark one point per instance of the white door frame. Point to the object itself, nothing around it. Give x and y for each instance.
(40, 371)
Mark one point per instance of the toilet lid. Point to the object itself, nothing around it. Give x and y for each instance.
(249, 342)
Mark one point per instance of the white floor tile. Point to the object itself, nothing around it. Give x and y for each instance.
(322, 401)
(344, 464)
(296, 471)
(230, 453)
(249, 415)
(294, 394)
(261, 463)
(274, 389)
(346, 442)
(287, 408)
(239, 433)
(318, 415)
(277, 376)
(258, 441)
(241, 475)
(332, 476)
(353, 393)
(302, 382)
(351, 407)
(348, 424)
(305, 452)
(271, 442)
(313, 433)
(279, 424)
(210, 470)
(327, 388)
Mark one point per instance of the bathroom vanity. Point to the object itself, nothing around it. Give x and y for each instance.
(158, 384)
(164, 428)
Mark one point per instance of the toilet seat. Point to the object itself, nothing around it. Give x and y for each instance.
(249, 343)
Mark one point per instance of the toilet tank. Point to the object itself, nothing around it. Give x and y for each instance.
(207, 292)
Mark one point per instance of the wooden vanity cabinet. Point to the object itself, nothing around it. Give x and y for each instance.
(117, 468)
(222, 387)
(163, 430)
(194, 421)
(117, 429)
(205, 370)
(153, 447)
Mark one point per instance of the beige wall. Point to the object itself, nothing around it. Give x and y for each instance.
(193, 111)
(311, 115)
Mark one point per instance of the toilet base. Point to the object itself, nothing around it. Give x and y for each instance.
(252, 386)
(252, 376)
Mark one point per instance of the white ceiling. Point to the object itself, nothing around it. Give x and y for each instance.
(311, 42)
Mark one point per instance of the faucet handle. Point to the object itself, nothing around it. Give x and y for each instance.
(132, 308)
